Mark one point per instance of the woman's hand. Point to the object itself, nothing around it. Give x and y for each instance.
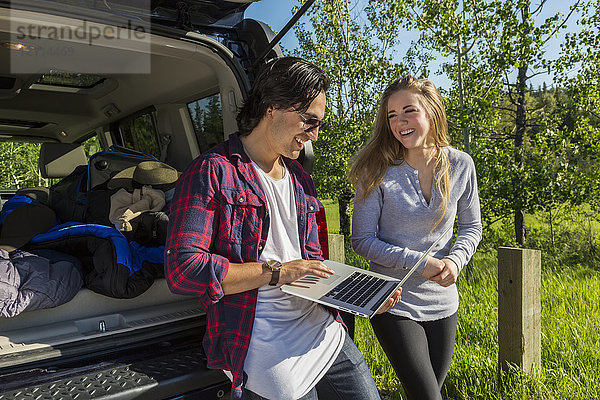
(433, 267)
(444, 272)
(392, 301)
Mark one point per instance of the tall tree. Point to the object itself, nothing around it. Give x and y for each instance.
(522, 48)
(452, 29)
(507, 42)
(579, 110)
(353, 43)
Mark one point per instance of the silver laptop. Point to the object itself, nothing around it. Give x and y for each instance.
(352, 289)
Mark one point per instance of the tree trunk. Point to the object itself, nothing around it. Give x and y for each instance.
(551, 227)
(345, 203)
(521, 126)
(461, 93)
(519, 136)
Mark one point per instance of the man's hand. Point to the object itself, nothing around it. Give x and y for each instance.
(444, 272)
(391, 302)
(296, 269)
(252, 275)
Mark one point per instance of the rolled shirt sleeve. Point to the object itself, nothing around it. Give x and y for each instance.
(190, 266)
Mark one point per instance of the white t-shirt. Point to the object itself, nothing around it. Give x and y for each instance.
(294, 341)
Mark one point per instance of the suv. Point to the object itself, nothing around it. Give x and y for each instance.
(164, 78)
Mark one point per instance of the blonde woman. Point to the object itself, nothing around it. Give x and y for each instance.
(410, 186)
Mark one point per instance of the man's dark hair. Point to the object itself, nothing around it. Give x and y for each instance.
(282, 83)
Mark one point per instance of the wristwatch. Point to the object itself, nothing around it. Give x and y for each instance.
(275, 267)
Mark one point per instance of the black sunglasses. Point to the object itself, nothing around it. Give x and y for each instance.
(310, 123)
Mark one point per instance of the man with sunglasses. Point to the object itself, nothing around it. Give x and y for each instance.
(242, 223)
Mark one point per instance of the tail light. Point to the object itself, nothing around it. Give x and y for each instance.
(323, 239)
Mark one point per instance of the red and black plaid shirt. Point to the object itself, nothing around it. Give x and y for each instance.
(218, 215)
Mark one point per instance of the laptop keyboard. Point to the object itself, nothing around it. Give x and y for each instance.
(357, 289)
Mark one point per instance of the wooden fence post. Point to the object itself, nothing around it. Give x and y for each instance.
(519, 308)
(336, 247)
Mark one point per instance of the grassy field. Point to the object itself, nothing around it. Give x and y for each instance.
(570, 340)
(570, 334)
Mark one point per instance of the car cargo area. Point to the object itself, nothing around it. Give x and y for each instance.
(169, 98)
(148, 347)
(90, 317)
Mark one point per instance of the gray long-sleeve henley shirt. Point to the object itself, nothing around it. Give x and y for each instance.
(392, 228)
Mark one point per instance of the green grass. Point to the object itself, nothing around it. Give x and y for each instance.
(332, 215)
(570, 320)
(570, 340)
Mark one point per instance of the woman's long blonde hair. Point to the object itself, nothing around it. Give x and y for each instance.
(370, 164)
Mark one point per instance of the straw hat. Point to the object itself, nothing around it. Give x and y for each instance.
(154, 173)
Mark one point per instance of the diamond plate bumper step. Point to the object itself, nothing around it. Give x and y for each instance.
(163, 377)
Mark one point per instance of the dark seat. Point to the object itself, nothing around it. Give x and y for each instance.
(56, 161)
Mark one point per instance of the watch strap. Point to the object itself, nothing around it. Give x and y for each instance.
(274, 277)
(275, 267)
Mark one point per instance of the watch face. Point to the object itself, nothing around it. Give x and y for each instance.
(274, 264)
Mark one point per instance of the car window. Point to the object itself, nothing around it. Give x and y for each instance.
(91, 145)
(207, 118)
(19, 165)
(139, 133)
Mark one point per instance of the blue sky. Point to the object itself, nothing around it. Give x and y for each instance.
(276, 13)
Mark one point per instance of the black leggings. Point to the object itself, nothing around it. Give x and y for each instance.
(420, 352)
